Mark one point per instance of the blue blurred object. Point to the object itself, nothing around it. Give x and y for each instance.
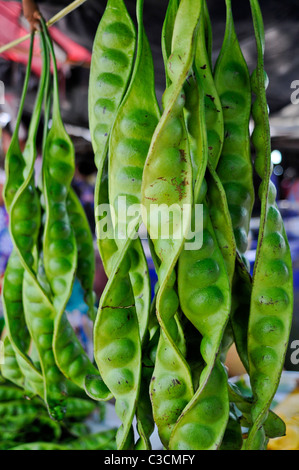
(5, 240)
(76, 311)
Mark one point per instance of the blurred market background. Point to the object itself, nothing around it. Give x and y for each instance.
(73, 37)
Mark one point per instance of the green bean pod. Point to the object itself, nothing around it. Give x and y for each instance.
(17, 331)
(241, 295)
(25, 221)
(272, 287)
(110, 72)
(208, 33)
(221, 220)
(129, 142)
(79, 408)
(69, 354)
(130, 138)
(117, 347)
(202, 424)
(161, 390)
(59, 244)
(40, 317)
(200, 272)
(74, 363)
(213, 108)
(167, 179)
(111, 67)
(25, 211)
(10, 369)
(223, 229)
(204, 293)
(232, 81)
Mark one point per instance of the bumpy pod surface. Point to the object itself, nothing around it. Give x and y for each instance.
(203, 279)
(10, 369)
(132, 131)
(232, 80)
(25, 218)
(15, 322)
(60, 262)
(117, 348)
(110, 72)
(201, 426)
(167, 180)
(272, 289)
(128, 147)
(213, 108)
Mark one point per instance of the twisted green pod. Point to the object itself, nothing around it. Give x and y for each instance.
(110, 72)
(232, 81)
(272, 288)
(24, 209)
(167, 179)
(213, 108)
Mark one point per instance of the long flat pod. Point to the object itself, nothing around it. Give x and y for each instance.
(130, 138)
(111, 66)
(272, 289)
(110, 72)
(201, 426)
(213, 108)
(24, 210)
(15, 322)
(167, 180)
(202, 276)
(232, 81)
(204, 293)
(10, 369)
(136, 120)
(39, 319)
(117, 346)
(169, 366)
(137, 117)
(221, 220)
(167, 32)
(59, 244)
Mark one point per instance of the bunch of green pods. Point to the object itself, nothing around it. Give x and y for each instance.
(194, 151)
(182, 172)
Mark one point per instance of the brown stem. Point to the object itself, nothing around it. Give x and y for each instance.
(32, 14)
